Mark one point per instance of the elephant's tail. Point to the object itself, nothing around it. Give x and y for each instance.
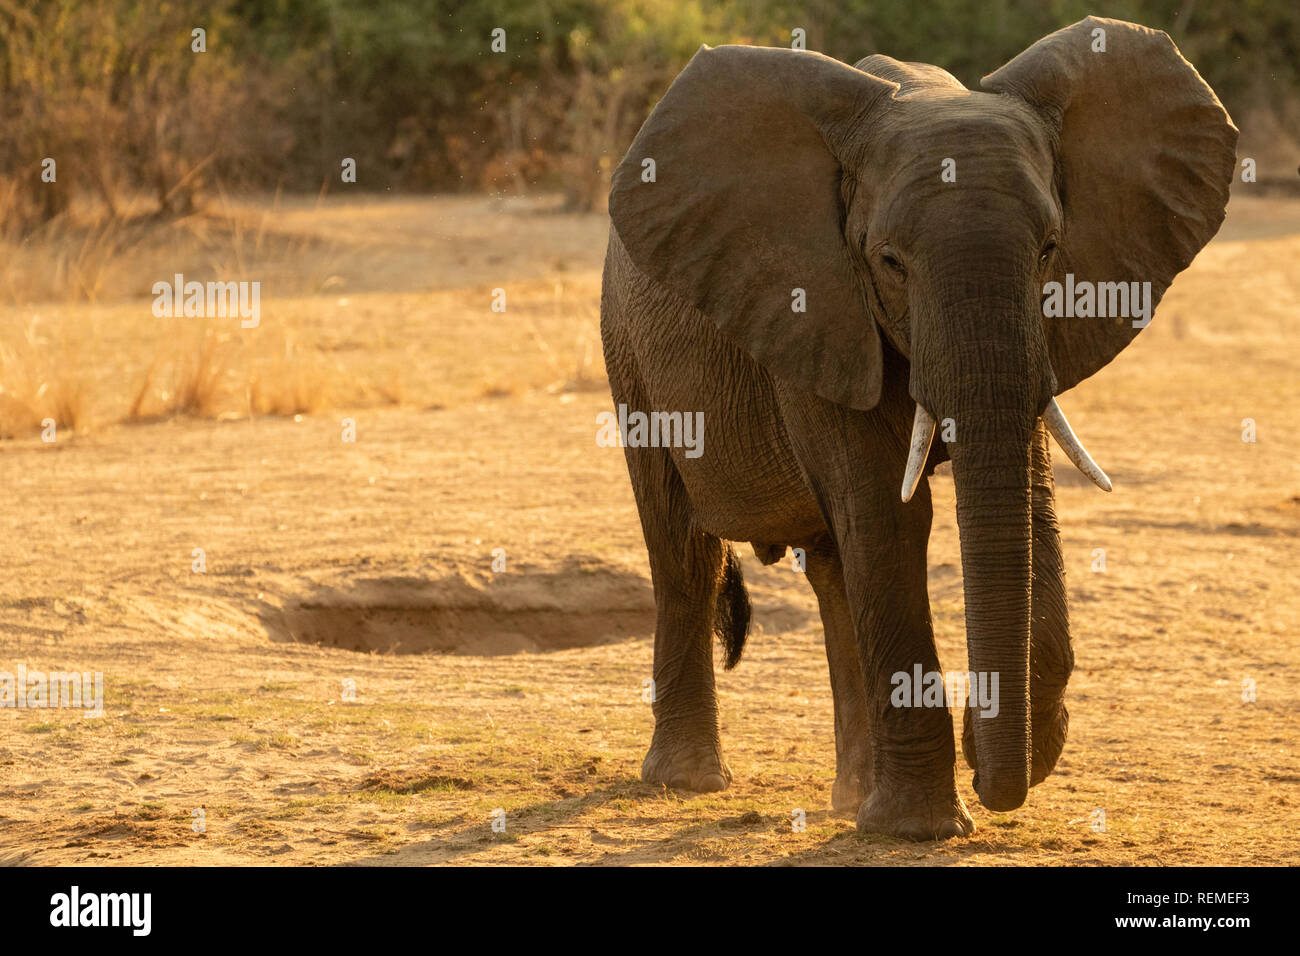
(731, 617)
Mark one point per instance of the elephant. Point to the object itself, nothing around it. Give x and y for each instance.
(828, 263)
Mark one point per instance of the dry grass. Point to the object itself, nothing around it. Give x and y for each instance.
(220, 375)
(196, 387)
(585, 371)
(198, 378)
(356, 297)
(40, 383)
(85, 255)
(292, 381)
(389, 390)
(63, 261)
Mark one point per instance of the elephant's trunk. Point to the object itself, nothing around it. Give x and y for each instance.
(980, 366)
(990, 465)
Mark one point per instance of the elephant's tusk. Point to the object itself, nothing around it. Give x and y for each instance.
(922, 436)
(1055, 421)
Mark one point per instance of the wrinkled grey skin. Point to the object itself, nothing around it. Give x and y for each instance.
(778, 170)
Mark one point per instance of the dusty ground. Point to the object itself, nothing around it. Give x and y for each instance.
(526, 693)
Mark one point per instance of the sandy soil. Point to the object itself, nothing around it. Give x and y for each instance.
(368, 564)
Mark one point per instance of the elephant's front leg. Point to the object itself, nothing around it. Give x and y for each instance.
(1051, 657)
(853, 463)
(883, 548)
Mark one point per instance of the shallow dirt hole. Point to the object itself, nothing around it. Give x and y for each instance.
(500, 614)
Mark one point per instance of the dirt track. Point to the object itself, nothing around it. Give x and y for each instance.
(528, 695)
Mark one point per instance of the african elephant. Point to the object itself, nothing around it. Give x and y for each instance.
(826, 261)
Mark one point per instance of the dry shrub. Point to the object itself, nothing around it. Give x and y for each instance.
(390, 390)
(40, 380)
(68, 258)
(69, 403)
(21, 207)
(198, 382)
(86, 255)
(292, 381)
(114, 93)
(82, 261)
(198, 385)
(223, 374)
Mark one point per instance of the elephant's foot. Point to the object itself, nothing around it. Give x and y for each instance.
(847, 792)
(698, 767)
(1047, 727)
(916, 814)
(852, 777)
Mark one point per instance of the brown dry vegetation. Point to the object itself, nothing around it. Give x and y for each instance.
(521, 690)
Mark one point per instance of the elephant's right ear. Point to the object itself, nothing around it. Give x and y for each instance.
(730, 197)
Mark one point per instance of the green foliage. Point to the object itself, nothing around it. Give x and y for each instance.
(112, 91)
(413, 92)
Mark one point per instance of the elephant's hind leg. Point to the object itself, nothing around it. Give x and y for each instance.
(698, 592)
(852, 710)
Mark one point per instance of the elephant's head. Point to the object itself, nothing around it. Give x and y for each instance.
(776, 171)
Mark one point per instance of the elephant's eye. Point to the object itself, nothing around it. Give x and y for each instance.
(893, 263)
(1046, 254)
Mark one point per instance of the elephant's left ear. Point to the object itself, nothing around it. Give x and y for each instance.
(1146, 155)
